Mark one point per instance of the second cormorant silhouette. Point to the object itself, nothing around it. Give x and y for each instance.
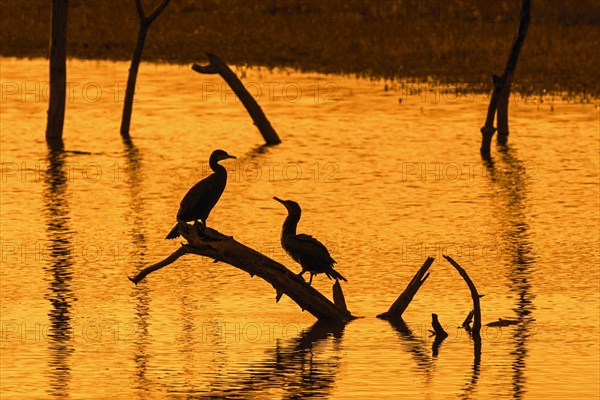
(202, 197)
(307, 251)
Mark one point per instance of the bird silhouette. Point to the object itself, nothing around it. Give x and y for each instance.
(307, 251)
(202, 197)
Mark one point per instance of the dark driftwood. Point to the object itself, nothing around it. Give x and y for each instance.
(217, 66)
(402, 302)
(503, 322)
(338, 296)
(476, 330)
(502, 84)
(58, 71)
(438, 330)
(227, 250)
(467, 322)
(145, 22)
(439, 333)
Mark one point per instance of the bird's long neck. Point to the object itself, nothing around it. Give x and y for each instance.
(217, 168)
(290, 224)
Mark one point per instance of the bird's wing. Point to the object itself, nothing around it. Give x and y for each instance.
(198, 194)
(308, 245)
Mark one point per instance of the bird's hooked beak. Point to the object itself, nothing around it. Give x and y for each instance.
(284, 202)
(230, 156)
(291, 206)
(279, 200)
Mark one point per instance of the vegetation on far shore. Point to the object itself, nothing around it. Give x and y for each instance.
(460, 41)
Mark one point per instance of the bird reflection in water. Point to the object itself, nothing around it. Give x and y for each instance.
(60, 269)
(297, 368)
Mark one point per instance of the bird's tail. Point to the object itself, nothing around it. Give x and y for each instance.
(336, 275)
(174, 233)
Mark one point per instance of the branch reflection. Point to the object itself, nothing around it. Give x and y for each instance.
(416, 347)
(510, 179)
(141, 292)
(60, 268)
(298, 368)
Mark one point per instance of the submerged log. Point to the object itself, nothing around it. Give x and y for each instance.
(438, 330)
(223, 248)
(217, 66)
(402, 302)
(476, 330)
(503, 322)
(439, 333)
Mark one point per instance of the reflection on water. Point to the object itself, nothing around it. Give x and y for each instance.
(141, 358)
(416, 347)
(367, 191)
(141, 292)
(511, 187)
(297, 368)
(60, 269)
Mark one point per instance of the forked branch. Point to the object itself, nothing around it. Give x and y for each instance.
(223, 248)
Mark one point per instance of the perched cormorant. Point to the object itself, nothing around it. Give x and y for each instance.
(307, 251)
(202, 197)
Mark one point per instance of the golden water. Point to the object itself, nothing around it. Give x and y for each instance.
(383, 183)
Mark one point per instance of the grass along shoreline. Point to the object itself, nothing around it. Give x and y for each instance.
(459, 42)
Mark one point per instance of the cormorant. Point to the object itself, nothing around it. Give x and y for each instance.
(307, 251)
(202, 197)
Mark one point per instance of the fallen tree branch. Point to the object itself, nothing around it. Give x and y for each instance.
(217, 66)
(402, 302)
(223, 248)
(503, 322)
(476, 330)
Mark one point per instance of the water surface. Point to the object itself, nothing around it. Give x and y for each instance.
(383, 183)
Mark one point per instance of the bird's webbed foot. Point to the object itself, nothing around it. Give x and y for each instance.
(302, 278)
(207, 234)
(297, 277)
(200, 227)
